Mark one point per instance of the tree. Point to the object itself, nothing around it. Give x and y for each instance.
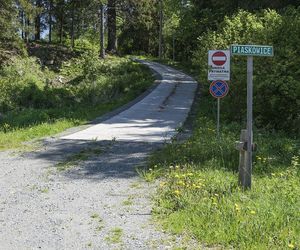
(112, 26)
(38, 4)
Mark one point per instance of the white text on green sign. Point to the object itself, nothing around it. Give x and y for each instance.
(252, 50)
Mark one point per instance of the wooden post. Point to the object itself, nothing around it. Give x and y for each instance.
(242, 164)
(249, 121)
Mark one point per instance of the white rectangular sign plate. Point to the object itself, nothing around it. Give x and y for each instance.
(219, 65)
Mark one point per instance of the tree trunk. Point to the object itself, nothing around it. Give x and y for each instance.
(61, 29)
(23, 24)
(72, 26)
(27, 27)
(112, 27)
(61, 20)
(37, 36)
(50, 20)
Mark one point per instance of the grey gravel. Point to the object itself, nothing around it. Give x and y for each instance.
(43, 208)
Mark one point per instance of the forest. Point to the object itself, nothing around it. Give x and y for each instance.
(45, 28)
(65, 62)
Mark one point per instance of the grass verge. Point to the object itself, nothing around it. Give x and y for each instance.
(199, 196)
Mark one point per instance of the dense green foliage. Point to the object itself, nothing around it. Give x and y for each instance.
(199, 195)
(276, 80)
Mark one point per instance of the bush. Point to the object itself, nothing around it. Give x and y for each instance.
(22, 78)
(276, 80)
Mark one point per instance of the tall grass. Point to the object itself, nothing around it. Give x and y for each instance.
(199, 194)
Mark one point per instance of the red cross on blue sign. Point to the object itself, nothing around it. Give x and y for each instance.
(219, 89)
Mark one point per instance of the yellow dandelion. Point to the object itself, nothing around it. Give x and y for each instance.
(177, 192)
(252, 212)
(237, 207)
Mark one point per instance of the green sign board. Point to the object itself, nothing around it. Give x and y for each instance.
(252, 50)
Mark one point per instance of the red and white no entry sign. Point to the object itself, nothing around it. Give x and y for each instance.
(219, 58)
(218, 65)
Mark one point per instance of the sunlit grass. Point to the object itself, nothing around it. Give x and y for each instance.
(199, 194)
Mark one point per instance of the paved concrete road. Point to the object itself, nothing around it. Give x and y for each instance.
(154, 118)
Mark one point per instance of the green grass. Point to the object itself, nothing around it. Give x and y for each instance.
(128, 202)
(115, 236)
(199, 194)
(89, 92)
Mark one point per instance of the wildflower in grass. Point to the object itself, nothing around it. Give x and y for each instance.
(291, 245)
(177, 192)
(181, 183)
(237, 207)
(252, 212)
(162, 184)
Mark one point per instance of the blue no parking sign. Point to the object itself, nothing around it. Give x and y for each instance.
(218, 89)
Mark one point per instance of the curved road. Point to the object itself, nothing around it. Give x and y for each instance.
(101, 202)
(154, 118)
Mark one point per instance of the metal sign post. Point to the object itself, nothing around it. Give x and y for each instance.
(245, 145)
(218, 119)
(218, 89)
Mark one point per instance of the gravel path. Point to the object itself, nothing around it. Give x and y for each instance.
(101, 203)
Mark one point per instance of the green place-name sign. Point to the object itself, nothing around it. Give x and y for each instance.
(252, 50)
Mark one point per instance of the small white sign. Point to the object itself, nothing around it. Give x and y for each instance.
(219, 65)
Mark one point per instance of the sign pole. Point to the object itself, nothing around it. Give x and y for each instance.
(249, 121)
(245, 145)
(218, 119)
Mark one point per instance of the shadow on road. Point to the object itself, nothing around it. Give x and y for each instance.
(114, 159)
